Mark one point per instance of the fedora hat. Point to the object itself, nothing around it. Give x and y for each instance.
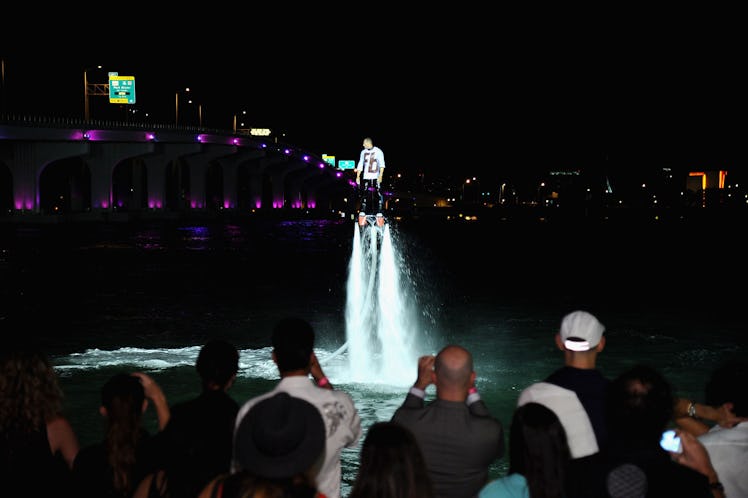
(280, 436)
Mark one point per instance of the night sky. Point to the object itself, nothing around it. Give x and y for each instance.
(459, 95)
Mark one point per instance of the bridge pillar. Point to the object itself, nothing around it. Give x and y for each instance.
(198, 170)
(102, 159)
(230, 166)
(156, 164)
(26, 163)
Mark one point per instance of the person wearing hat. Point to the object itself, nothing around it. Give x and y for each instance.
(576, 391)
(293, 353)
(279, 448)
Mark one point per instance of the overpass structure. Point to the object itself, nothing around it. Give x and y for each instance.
(99, 169)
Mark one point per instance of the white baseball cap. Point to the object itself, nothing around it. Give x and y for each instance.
(581, 331)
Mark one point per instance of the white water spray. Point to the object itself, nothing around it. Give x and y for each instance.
(380, 328)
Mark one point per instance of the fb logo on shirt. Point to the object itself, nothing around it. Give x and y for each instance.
(372, 164)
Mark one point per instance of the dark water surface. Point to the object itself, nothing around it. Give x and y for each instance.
(143, 296)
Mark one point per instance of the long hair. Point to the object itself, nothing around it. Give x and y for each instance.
(30, 395)
(391, 465)
(123, 396)
(538, 450)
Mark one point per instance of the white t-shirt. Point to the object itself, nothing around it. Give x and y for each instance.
(564, 402)
(342, 423)
(728, 451)
(370, 162)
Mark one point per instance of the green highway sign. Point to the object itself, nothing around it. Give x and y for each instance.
(121, 89)
(346, 164)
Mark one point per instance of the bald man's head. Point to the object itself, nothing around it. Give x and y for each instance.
(453, 367)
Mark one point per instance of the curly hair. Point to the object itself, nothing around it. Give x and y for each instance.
(30, 395)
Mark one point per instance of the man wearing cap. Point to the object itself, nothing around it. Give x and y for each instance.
(576, 391)
(293, 353)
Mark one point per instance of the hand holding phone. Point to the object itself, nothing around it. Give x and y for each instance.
(671, 442)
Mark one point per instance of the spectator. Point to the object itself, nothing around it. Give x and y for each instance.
(293, 353)
(726, 441)
(538, 456)
(114, 467)
(458, 436)
(197, 440)
(391, 465)
(37, 442)
(280, 446)
(576, 391)
(639, 406)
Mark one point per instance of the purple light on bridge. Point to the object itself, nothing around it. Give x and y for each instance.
(287, 152)
(104, 204)
(258, 204)
(92, 135)
(227, 205)
(338, 174)
(311, 204)
(235, 141)
(321, 165)
(306, 158)
(154, 203)
(150, 135)
(200, 138)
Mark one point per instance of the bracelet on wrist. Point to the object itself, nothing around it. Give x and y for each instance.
(323, 381)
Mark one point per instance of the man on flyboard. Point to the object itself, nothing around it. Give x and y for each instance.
(371, 163)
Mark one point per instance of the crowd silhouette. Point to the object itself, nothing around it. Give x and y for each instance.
(575, 434)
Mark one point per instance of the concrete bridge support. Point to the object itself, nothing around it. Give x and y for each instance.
(26, 162)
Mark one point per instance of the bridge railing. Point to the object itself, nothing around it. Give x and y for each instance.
(67, 122)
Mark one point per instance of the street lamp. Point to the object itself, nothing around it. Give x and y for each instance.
(244, 113)
(176, 106)
(2, 84)
(86, 109)
(189, 101)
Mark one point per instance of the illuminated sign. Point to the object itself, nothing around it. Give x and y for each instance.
(121, 89)
(329, 159)
(260, 132)
(346, 164)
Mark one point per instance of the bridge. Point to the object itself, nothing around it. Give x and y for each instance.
(108, 170)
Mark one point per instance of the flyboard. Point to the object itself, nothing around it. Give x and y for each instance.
(368, 236)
